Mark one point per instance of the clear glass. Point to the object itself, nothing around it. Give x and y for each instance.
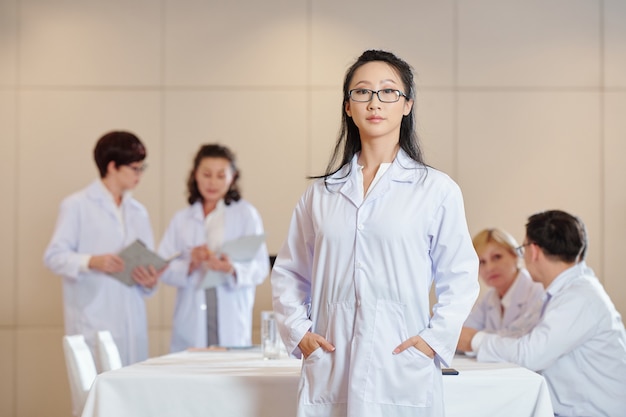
(270, 339)
(521, 249)
(386, 95)
(138, 169)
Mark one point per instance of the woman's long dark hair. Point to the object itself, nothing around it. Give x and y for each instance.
(213, 151)
(349, 140)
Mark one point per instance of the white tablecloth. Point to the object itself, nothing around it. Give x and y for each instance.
(242, 384)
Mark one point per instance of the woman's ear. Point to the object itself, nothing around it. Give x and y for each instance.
(111, 168)
(347, 108)
(408, 105)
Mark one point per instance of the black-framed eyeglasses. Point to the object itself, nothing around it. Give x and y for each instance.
(386, 95)
(138, 169)
(520, 249)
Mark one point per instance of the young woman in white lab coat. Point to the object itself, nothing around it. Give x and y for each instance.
(512, 305)
(221, 315)
(367, 240)
(94, 225)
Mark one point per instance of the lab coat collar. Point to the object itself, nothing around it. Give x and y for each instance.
(197, 210)
(565, 278)
(99, 192)
(403, 169)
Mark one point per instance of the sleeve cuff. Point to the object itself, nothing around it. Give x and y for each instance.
(84, 263)
(477, 340)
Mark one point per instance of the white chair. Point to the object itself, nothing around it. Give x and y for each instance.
(108, 354)
(81, 370)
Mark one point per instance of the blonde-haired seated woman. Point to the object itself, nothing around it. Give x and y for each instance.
(512, 305)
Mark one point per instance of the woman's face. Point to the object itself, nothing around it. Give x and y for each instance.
(375, 119)
(498, 267)
(214, 177)
(126, 177)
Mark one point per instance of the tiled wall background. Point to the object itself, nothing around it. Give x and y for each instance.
(522, 102)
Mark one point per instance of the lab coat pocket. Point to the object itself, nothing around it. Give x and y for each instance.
(325, 374)
(406, 378)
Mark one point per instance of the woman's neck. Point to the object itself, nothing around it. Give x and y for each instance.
(372, 155)
(116, 191)
(208, 207)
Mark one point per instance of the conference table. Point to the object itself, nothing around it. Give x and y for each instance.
(240, 383)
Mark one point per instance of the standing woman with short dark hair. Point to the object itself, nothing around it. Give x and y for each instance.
(94, 225)
(367, 240)
(216, 314)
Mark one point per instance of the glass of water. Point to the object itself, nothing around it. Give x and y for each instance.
(270, 339)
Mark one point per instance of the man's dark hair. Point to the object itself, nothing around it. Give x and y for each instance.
(559, 234)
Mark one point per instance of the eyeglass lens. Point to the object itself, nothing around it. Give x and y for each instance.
(386, 95)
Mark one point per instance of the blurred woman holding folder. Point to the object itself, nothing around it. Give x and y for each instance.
(93, 226)
(216, 291)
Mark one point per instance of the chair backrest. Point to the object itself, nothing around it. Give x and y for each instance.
(81, 370)
(108, 354)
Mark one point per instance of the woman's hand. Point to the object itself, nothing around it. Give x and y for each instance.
(108, 263)
(147, 277)
(199, 255)
(418, 343)
(220, 263)
(312, 341)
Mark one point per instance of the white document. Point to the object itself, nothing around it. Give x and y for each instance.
(243, 249)
(134, 255)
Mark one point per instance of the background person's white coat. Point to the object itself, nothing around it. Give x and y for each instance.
(235, 299)
(92, 300)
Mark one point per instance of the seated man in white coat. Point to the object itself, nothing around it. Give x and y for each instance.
(579, 344)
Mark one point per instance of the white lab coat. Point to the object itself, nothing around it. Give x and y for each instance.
(93, 301)
(525, 302)
(579, 346)
(235, 299)
(358, 272)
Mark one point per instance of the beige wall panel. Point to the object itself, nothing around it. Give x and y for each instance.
(8, 237)
(262, 302)
(235, 43)
(614, 45)
(168, 296)
(42, 383)
(161, 306)
(58, 132)
(8, 42)
(520, 153)
(65, 42)
(159, 342)
(266, 130)
(420, 32)
(551, 44)
(435, 123)
(615, 199)
(325, 124)
(7, 372)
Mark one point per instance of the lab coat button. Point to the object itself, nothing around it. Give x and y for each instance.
(360, 227)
